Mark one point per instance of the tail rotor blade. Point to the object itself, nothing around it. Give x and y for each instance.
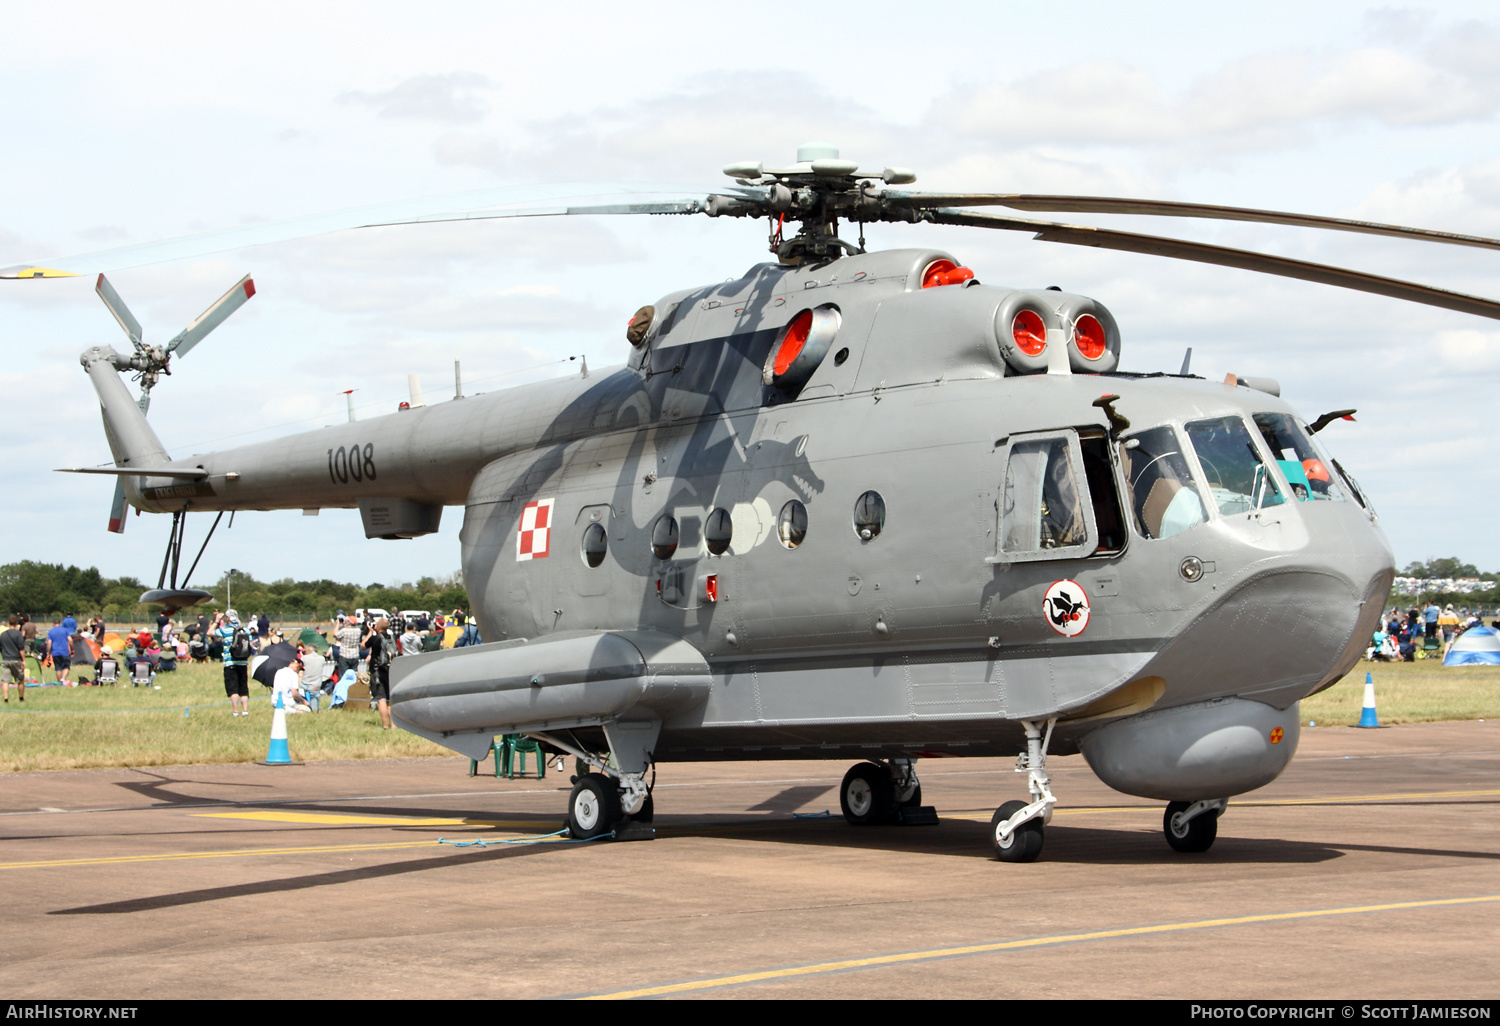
(211, 318)
(119, 309)
(117, 508)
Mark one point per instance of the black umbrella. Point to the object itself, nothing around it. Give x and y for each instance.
(278, 655)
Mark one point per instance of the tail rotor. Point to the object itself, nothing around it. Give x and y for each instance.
(151, 362)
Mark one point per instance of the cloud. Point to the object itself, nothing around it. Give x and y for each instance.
(1264, 101)
(448, 99)
(679, 134)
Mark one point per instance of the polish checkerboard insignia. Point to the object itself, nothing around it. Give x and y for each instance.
(534, 537)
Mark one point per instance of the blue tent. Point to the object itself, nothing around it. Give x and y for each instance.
(1475, 647)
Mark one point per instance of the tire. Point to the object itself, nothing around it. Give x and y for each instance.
(915, 801)
(865, 795)
(593, 806)
(1025, 844)
(1199, 833)
(647, 813)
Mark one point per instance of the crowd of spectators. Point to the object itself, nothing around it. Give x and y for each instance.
(1413, 634)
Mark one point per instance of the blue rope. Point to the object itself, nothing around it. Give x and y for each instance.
(557, 837)
(107, 712)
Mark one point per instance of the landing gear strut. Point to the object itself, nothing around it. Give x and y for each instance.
(1192, 826)
(1017, 826)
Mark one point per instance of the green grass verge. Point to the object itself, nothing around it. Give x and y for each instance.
(1420, 692)
(88, 728)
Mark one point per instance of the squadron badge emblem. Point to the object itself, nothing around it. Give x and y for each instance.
(1066, 607)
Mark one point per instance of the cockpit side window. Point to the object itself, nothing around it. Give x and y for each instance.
(1164, 499)
(1044, 513)
(1237, 477)
(1306, 471)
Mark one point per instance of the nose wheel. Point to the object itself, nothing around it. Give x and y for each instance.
(1024, 843)
(1192, 826)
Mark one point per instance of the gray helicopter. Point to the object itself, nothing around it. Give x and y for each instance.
(851, 505)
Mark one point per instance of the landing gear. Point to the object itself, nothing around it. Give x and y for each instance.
(593, 807)
(1017, 827)
(1022, 844)
(1192, 826)
(866, 796)
(888, 792)
(615, 798)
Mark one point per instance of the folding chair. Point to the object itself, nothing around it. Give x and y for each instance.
(140, 674)
(109, 672)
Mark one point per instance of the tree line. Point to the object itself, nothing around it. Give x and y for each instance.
(46, 590)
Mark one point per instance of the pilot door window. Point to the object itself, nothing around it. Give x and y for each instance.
(1164, 498)
(1306, 471)
(1237, 477)
(1044, 511)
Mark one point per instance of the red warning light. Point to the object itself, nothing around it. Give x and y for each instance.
(1088, 336)
(711, 587)
(1029, 332)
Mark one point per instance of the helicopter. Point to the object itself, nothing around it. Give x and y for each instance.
(849, 505)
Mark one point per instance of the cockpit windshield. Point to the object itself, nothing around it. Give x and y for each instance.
(1305, 469)
(1238, 479)
(1163, 498)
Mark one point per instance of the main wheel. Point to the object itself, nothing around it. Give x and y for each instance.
(1024, 843)
(1197, 834)
(593, 807)
(865, 795)
(647, 813)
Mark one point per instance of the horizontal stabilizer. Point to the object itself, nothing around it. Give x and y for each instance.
(188, 473)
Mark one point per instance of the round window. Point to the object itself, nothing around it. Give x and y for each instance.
(869, 515)
(717, 531)
(664, 537)
(791, 525)
(595, 544)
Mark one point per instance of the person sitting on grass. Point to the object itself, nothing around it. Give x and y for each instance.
(288, 684)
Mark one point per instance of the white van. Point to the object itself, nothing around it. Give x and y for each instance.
(370, 615)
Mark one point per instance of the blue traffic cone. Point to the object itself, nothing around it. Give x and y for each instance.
(278, 754)
(1367, 714)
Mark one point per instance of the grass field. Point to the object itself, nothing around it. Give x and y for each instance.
(86, 728)
(1418, 692)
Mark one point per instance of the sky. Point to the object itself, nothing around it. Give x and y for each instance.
(131, 123)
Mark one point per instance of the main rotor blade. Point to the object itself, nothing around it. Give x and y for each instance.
(119, 309)
(508, 201)
(1203, 253)
(237, 296)
(1168, 208)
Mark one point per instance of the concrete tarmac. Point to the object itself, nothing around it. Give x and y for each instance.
(1370, 870)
